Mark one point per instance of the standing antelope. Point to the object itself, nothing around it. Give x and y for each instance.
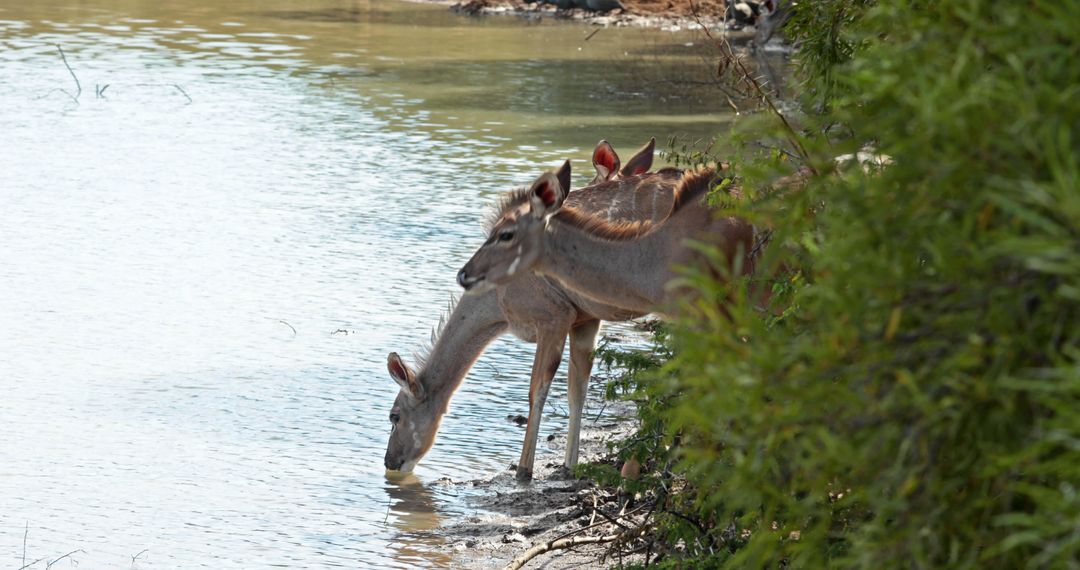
(534, 309)
(617, 263)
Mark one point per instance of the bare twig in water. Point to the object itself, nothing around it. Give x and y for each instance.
(181, 90)
(136, 557)
(49, 564)
(78, 86)
(593, 33)
(601, 412)
(25, 534)
(288, 325)
(25, 566)
(100, 91)
(498, 374)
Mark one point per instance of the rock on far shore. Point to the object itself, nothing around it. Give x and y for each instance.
(662, 14)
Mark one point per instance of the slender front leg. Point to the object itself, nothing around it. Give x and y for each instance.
(549, 349)
(582, 342)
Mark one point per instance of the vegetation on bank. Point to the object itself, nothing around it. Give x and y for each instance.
(909, 396)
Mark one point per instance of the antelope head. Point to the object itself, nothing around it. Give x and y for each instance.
(516, 240)
(414, 418)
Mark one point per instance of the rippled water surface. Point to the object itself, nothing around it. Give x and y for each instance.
(205, 259)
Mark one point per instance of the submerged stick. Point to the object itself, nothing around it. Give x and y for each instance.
(73, 76)
(49, 564)
(288, 325)
(25, 566)
(181, 89)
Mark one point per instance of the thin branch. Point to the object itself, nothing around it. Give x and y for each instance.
(25, 566)
(601, 412)
(729, 58)
(25, 534)
(288, 325)
(49, 564)
(610, 518)
(181, 90)
(77, 84)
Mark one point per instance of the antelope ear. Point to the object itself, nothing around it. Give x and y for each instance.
(563, 174)
(404, 377)
(605, 161)
(546, 195)
(641, 162)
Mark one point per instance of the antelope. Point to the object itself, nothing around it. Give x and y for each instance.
(617, 263)
(533, 308)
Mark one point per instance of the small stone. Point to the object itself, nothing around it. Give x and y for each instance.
(513, 537)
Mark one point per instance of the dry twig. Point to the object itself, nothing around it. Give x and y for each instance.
(729, 58)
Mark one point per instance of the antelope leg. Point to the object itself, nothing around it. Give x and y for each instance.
(582, 342)
(549, 349)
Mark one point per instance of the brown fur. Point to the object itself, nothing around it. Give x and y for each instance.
(692, 187)
(517, 197)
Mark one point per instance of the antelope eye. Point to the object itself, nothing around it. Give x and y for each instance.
(394, 418)
(506, 235)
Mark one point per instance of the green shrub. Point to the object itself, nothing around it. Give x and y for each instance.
(917, 403)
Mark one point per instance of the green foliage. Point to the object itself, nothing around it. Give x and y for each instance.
(910, 398)
(635, 368)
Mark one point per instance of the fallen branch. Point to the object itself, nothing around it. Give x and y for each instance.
(543, 547)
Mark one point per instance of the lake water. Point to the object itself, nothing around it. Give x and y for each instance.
(205, 260)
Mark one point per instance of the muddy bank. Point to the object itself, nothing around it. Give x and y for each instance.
(669, 16)
(511, 517)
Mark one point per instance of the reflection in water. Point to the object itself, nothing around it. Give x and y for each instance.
(413, 513)
(207, 257)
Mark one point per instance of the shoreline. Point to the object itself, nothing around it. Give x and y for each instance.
(666, 16)
(511, 517)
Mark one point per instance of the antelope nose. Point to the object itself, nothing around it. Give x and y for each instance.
(391, 464)
(464, 280)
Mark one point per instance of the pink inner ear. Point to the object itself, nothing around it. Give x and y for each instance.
(397, 370)
(546, 194)
(639, 170)
(605, 156)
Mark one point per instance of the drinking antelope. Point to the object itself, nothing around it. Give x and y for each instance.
(618, 263)
(534, 309)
